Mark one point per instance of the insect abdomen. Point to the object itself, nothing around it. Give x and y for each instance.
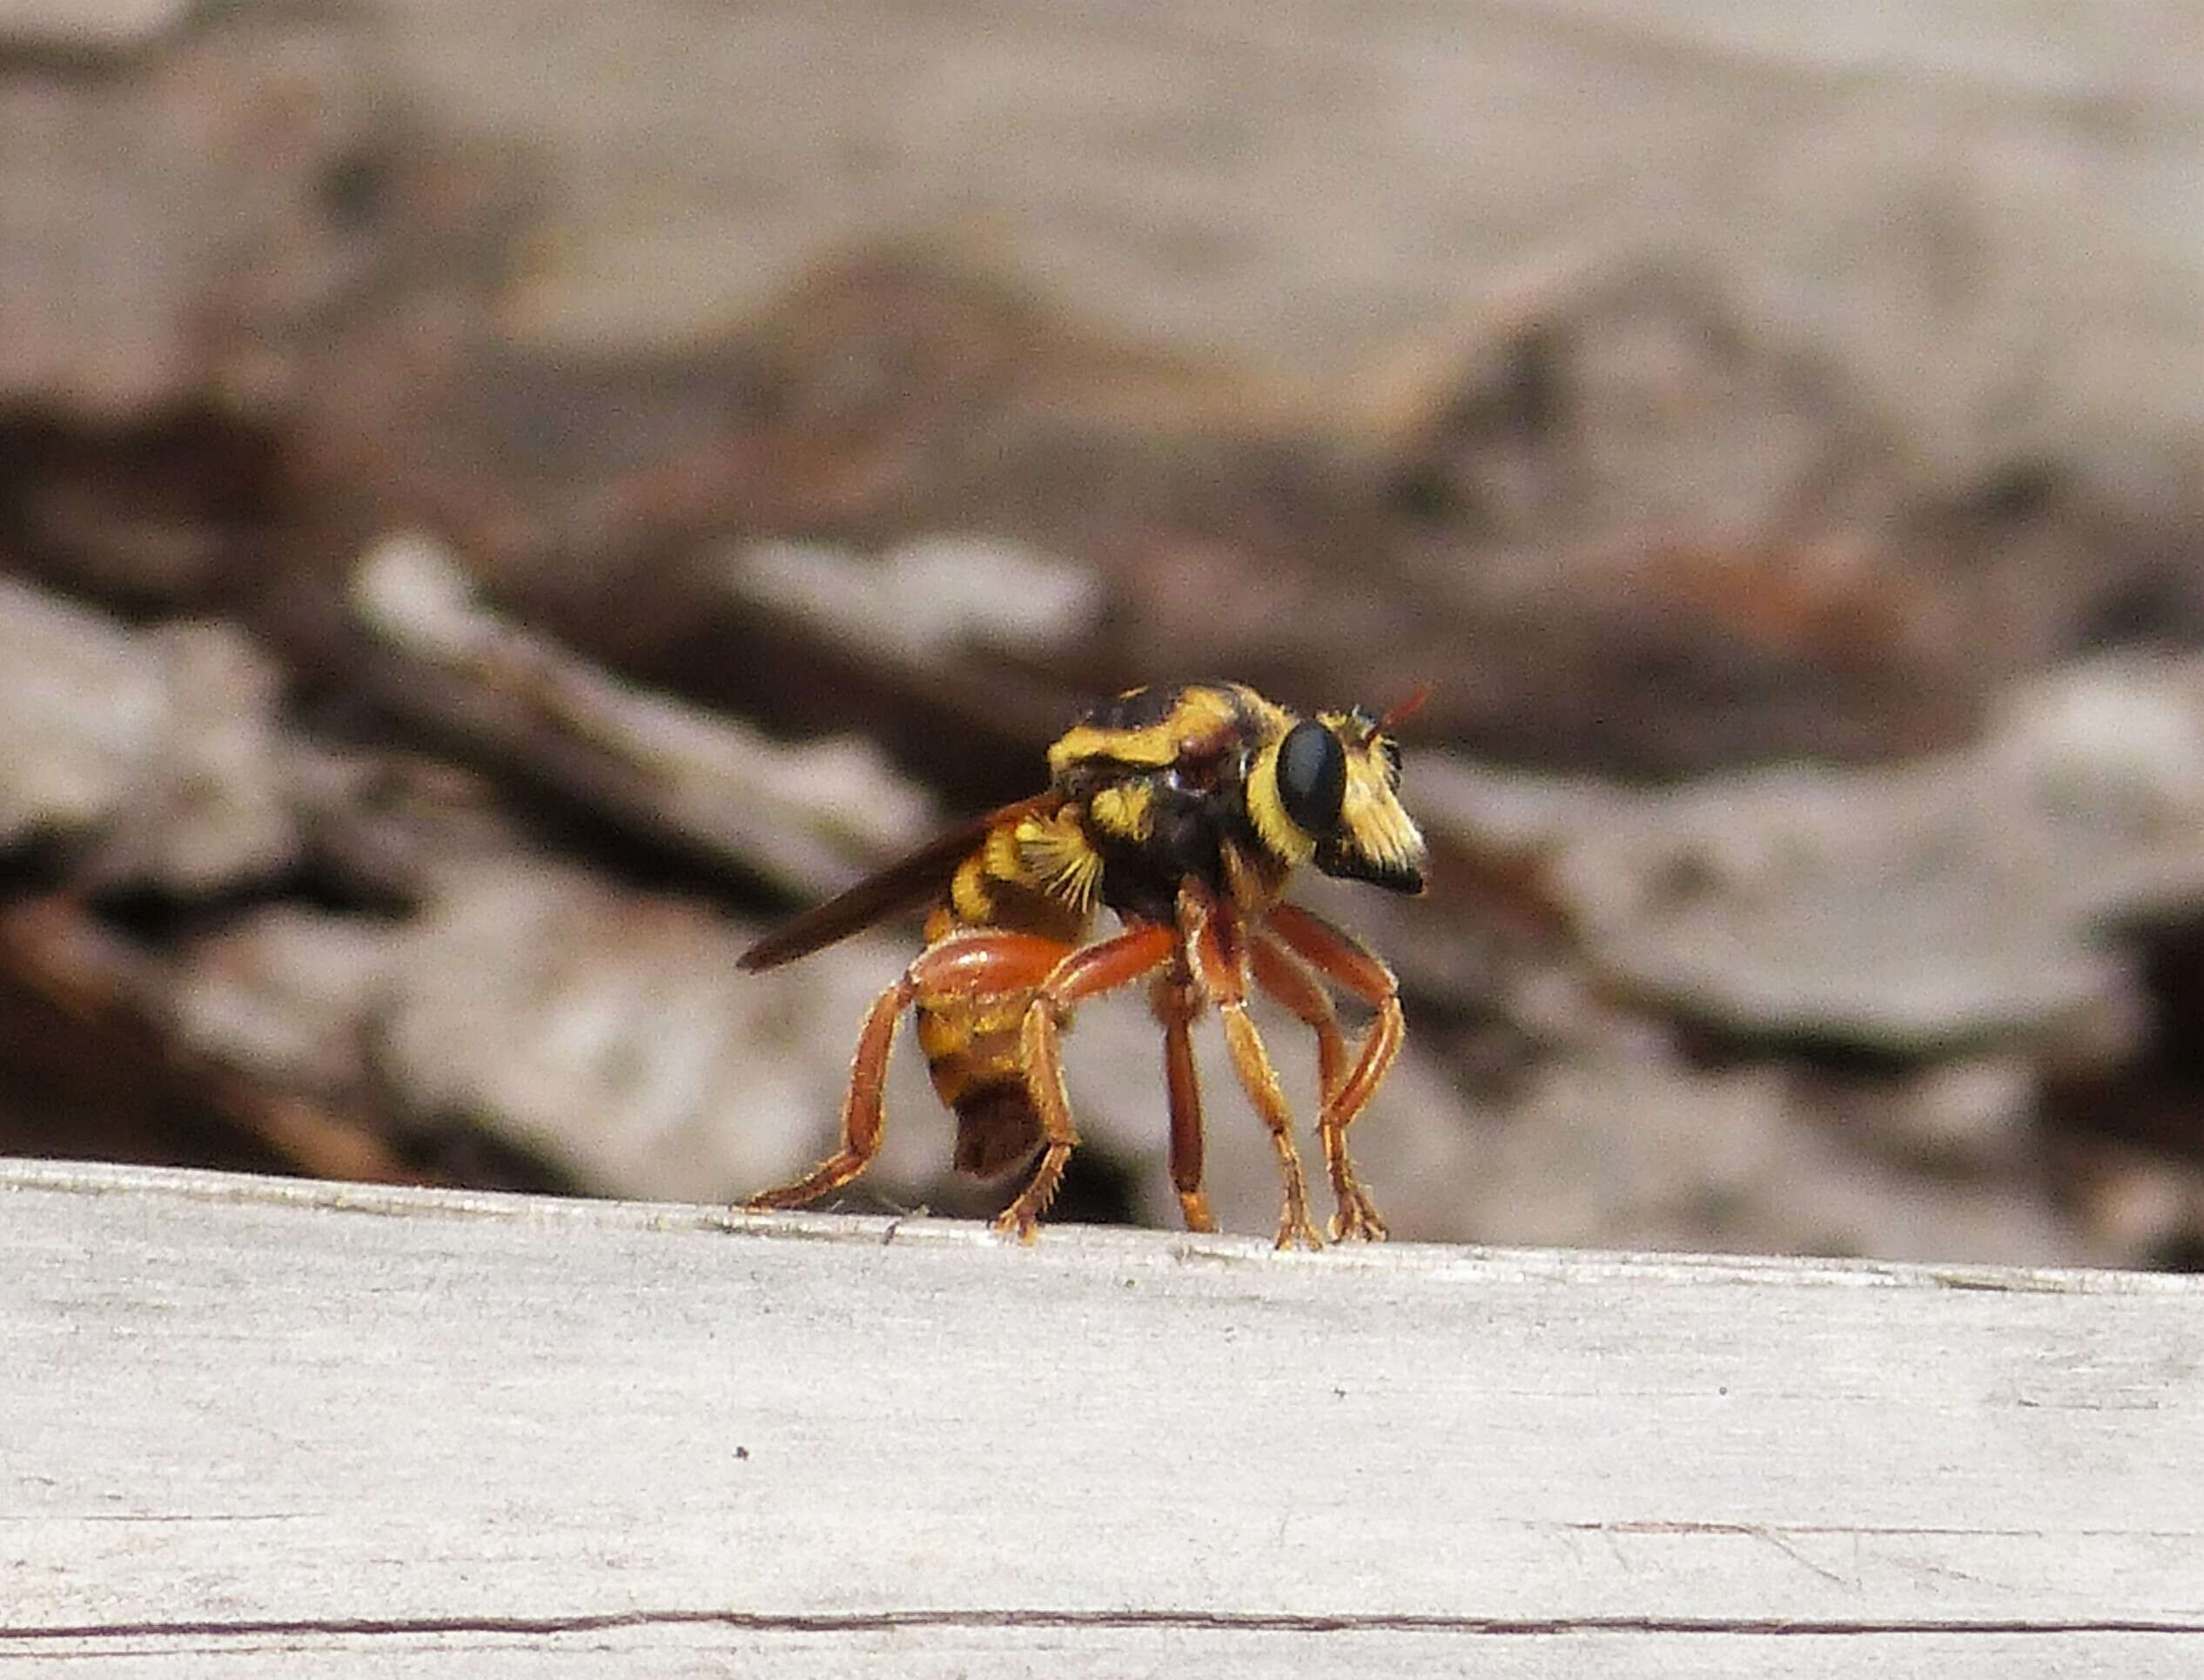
(972, 1053)
(972, 1045)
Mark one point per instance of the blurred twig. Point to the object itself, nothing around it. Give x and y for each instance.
(805, 817)
(54, 950)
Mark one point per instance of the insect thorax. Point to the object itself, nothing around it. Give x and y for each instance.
(1158, 778)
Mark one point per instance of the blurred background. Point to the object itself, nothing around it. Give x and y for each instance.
(503, 500)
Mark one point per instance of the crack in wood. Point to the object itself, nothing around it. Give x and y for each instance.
(1101, 1620)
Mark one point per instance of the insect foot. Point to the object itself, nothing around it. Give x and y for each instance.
(1357, 1219)
(1294, 1230)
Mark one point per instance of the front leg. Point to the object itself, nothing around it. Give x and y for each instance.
(1342, 959)
(1283, 975)
(1217, 954)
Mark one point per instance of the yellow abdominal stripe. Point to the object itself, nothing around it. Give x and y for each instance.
(1005, 858)
(943, 1033)
(968, 889)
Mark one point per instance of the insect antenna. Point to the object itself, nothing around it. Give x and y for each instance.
(1407, 708)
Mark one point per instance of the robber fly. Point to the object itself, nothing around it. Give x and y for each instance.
(1184, 811)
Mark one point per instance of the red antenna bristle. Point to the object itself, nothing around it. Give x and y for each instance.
(1407, 708)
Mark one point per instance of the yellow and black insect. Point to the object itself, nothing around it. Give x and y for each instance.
(1184, 811)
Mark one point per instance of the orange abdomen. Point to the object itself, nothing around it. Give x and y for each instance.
(972, 1053)
(971, 1044)
(973, 1057)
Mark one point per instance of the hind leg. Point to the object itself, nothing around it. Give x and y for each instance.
(1087, 972)
(967, 964)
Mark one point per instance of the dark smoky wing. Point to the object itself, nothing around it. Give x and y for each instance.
(910, 882)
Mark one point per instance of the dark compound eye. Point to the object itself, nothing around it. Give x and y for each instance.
(1312, 777)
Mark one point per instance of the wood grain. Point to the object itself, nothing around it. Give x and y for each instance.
(254, 1426)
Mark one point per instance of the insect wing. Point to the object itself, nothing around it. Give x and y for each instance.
(904, 885)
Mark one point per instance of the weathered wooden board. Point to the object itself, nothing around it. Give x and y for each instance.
(250, 1425)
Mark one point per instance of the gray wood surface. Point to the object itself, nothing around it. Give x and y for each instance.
(258, 1427)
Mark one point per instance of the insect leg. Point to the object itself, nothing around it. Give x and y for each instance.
(1087, 972)
(1340, 958)
(1176, 1002)
(1221, 966)
(964, 965)
(1283, 975)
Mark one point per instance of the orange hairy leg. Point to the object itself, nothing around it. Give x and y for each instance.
(1283, 975)
(1087, 972)
(1176, 1001)
(965, 966)
(1217, 951)
(1339, 958)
